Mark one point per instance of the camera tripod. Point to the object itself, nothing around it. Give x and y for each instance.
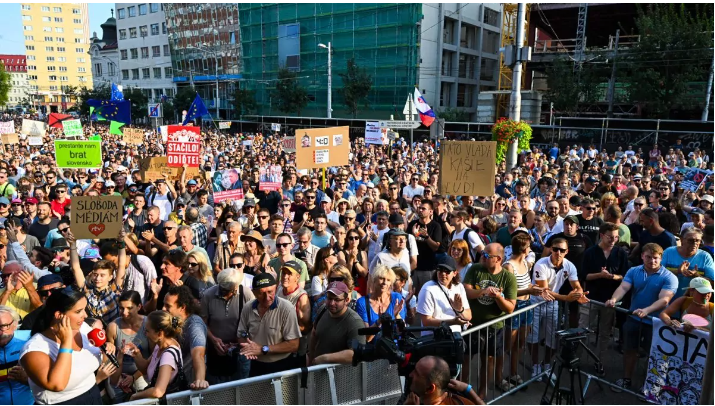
(568, 359)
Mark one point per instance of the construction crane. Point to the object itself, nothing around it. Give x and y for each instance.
(508, 37)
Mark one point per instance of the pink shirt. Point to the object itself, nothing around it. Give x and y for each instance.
(166, 359)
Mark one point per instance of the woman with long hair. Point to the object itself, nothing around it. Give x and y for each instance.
(607, 200)
(255, 259)
(355, 259)
(198, 276)
(459, 250)
(499, 211)
(324, 261)
(539, 233)
(164, 368)
(58, 359)
(125, 329)
(367, 208)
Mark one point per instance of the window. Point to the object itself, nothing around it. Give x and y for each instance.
(52, 78)
(60, 39)
(157, 73)
(135, 74)
(61, 49)
(45, 9)
(49, 49)
(44, 19)
(145, 52)
(77, 20)
(64, 79)
(143, 31)
(80, 60)
(53, 88)
(29, 18)
(121, 14)
(79, 40)
(491, 17)
(98, 69)
(46, 29)
(62, 59)
(81, 78)
(133, 32)
(123, 54)
(29, 38)
(79, 50)
(155, 29)
(78, 31)
(142, 9)
(488, 69)
(135, 53)
(57, 9)
(76, 11)
(167, 73)
(58, 19)
(31, 67)
(468, 37)
(51, 68)
(81, 69)
(125, 74)
(26, 7)
(153, 7)
(166, 50)
(132, 12)
(59, 29)
(110, 68)
(122, 34)
(156, 51)
(464, 95)
(30, 57)
(27, 27)
(48, 39)
(30, 47)
(145, 73)
(163, 28)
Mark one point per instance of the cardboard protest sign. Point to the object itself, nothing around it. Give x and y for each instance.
(32, 127)
(226, 185)
(222, 125)
(151, 169)
(96, 216)
(373, 134)
(72, 128)
(34, 140)
(693, 178)
(78, 154)
(322, 147)
(676, 365)
(270, 178)
(133, 136)
(288, 144)
(10, 139)
(467, 168)
(7, 127)
(183, 146)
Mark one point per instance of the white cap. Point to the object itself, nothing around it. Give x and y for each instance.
(109, 183)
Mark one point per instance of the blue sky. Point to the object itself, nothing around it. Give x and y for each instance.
(12, 40)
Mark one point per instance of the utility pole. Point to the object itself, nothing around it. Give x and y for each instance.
(330, 77)
(612, 82)
(515, 100)
(704, 116)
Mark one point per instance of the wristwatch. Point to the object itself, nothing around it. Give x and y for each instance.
(264, 350)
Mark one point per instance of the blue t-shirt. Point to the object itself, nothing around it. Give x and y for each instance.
(554, 152)
(362, 307)
(646, 288)
(664, 239)
(321, 241)
(13, 392)
(672, 260)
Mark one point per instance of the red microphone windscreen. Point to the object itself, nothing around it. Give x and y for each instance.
(97, 337)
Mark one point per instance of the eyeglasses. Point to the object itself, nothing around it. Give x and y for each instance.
(336, 279)
(486, 255)
(557, 249)
(17, 205)
(286, 205)
(60, 191)
(282, 245)
(589, 208)
(393, 188)
(63, 230)
(237, 266)
(262, 217)
(192, 264)
(310, 197)
(169, 228)
(665, 189)
(638, 204)
(6, 326)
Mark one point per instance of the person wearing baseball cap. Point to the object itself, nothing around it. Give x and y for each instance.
(696, 309)
(335, 328)
(291, 291)
(268, 330)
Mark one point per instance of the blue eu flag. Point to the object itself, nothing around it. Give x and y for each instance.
(120, 111)
(197, 109)
(116, 93)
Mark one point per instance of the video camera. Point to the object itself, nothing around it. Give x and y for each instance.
(397, 344)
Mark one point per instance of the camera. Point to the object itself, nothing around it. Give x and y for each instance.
(398, 345)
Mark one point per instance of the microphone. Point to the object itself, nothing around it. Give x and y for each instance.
(98, 338)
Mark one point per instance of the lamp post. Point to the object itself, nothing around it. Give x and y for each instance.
(330, 77)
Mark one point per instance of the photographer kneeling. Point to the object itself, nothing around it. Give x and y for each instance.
(431, 385)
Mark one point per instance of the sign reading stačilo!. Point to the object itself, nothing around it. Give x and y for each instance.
(96, 216)
(467, 168)
(78, 154)
(322, 147)
(183, 146)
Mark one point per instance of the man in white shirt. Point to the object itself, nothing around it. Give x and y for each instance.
(162, 197)
(413, 189)
(461, 231)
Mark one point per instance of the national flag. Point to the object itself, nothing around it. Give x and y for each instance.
(115, 110)
(425, 111)
(197, 109)
(117, 93)
(93, 116)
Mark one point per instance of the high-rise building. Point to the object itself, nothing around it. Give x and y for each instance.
(104, 53)
(56, 43)
(19, 94)
(206, 51)
(144, 55)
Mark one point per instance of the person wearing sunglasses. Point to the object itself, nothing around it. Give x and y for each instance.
(291, 291)
(46, 285)
(14, 388)
(284, 245)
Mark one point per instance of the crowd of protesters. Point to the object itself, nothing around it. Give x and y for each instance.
(195, 292)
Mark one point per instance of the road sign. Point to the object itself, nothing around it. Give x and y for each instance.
(409, 104)
(155, 110)
(400, 125)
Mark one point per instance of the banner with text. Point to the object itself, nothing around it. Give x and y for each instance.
(32, 127)
(467, 168)
(373, 135)
(133, 136)
(152, 169)
(96, 216)
(322, 147)
(183, 146)
(676, 365)
(226, 185)
(7, 127)
(34, 140)
(270, 178)
(693, 178)
(288, 144)
(78, 154)
(224, 125)
(72, 128)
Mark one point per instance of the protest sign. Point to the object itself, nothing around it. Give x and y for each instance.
(133, 136)
(96, 216)
(676, 365)
(11, 139)
(151, 169)
(223, 125)
(7, 127)
(32, 127)
(467, 168)
(693, 178)
(183, 146)
(270, 178)
(373, 134)
(226, 185)
(34, 140)
(78, 154)
(288, 144)
(322, 147)
(72, 128)
(164, 131)
(275, 127)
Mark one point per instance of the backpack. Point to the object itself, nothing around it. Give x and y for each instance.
(473, 255)
(152, 195)
(179, 383)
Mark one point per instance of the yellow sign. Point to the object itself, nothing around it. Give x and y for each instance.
(467, 168)
(10, 139)
(133, 136)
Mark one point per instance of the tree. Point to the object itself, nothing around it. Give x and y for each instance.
(139, 102)
(454, 115)
(289, 95)
(183, 99)
(168, 110)
(356, 87)
(5, 85)
(244, 101)
(567, 88)
(675, 50)
(102, 92)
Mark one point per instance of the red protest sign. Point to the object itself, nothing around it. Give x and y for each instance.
(236, 194)
(183, 146)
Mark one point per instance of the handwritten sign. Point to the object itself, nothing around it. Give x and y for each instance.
(133, 136)
(10, 139)
(32, 127)
(223, 125)
(7, 127)
(183, 146)
(322, 147)
(72, 128)
(96, 217)
(78, 154)
(152, 169)
(467, 168)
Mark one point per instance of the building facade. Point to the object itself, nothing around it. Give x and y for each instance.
(144, 55)
(56, 43)
(460, 54)
(104, 53)
(206, 51)
(20, 94)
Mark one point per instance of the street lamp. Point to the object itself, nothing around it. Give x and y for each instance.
(330, 78)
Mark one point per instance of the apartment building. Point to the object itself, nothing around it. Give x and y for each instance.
(19, 94)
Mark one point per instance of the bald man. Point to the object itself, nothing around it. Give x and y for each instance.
(431, 385)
